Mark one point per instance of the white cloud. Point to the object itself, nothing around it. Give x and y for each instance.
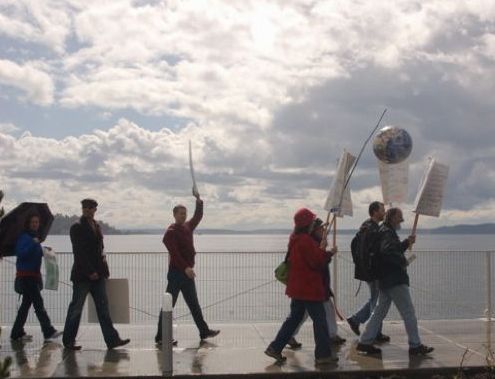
(271, 91)
(45, 22)
(8, 128)
(138, 175)
(36, 84)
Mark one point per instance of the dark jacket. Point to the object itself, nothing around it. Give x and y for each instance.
(87, 246)
(308, 263)
(29, 254)
(392, 262)
(179, 241)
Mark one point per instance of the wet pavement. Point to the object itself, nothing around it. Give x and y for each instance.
(239, 350)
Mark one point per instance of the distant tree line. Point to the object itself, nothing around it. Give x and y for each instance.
(62, 223)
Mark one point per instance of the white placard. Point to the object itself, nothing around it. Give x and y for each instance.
(394, 179)
(191, 167)
(118, 302)
(339, 198)
(431, 189)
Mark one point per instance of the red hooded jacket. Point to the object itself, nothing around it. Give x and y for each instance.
(307, 269)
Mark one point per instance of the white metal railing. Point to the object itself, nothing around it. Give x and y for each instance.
(240, 286)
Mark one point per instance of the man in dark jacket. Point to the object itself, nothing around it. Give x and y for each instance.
(369, 232)
(89, 272)
(394, 287)
(178, 240)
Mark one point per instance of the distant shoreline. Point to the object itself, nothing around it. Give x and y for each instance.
(456, 229)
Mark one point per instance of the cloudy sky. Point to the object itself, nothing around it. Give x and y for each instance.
(99, 98)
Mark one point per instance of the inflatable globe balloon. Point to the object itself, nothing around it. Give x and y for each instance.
(392, 144)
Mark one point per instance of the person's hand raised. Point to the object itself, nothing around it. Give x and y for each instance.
(195, 193)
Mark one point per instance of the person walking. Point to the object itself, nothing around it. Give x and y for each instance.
(394, 287)
(178, 240)
(330, 312)
(88, 275)
(28, 282)
(306, 288)
(368, 243)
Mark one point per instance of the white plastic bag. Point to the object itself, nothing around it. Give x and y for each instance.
(51, 269)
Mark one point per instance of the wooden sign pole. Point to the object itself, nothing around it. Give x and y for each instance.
(415, 226)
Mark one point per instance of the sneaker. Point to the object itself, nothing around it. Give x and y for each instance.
(54, 335)
(23, 338)
(327, 360)
(420, 350)
(368, 349)
(382, 338)
(293, 344)
(337, 340)
(210, 334)
(118, 343)
(273, 354)
(354, 326)
(72, 346)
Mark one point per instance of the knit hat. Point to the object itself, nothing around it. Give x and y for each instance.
(303, 217)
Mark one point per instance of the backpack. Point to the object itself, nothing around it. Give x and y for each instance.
(364, 249)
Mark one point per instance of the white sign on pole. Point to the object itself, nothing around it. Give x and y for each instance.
(339, 198)
(431, 189)
(191, 167)
(394, 179)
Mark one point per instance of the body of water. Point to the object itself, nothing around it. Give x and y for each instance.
(268, 242)
(235, 278)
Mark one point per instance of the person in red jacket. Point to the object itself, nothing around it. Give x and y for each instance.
(306, 287)
(179, 242)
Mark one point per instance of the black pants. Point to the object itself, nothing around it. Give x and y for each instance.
(99, 293)
(179, 282)
(31, 294)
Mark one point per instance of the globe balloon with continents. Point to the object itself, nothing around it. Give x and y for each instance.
(392, 144)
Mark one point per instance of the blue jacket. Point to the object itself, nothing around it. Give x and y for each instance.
(28, 253)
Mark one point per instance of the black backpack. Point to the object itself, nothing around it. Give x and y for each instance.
(364, 248)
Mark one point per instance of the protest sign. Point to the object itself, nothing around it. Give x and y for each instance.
(339, 200)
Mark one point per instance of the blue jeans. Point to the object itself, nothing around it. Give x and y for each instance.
(80, 291)
(364, 313)
(401, 297)
(31, 295)
(180, 282)
(316, 311)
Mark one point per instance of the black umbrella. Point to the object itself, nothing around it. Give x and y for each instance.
(12, 225)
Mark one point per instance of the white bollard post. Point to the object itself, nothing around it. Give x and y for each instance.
(167, 337)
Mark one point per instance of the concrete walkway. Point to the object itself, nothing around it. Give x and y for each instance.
(239, 350)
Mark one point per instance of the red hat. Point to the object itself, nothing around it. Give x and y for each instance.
(303, 217)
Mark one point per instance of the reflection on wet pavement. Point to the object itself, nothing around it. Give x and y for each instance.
(239, 349)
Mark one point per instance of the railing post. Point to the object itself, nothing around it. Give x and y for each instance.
(167, 337)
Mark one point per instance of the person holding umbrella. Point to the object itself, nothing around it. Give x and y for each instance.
(28, 281)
